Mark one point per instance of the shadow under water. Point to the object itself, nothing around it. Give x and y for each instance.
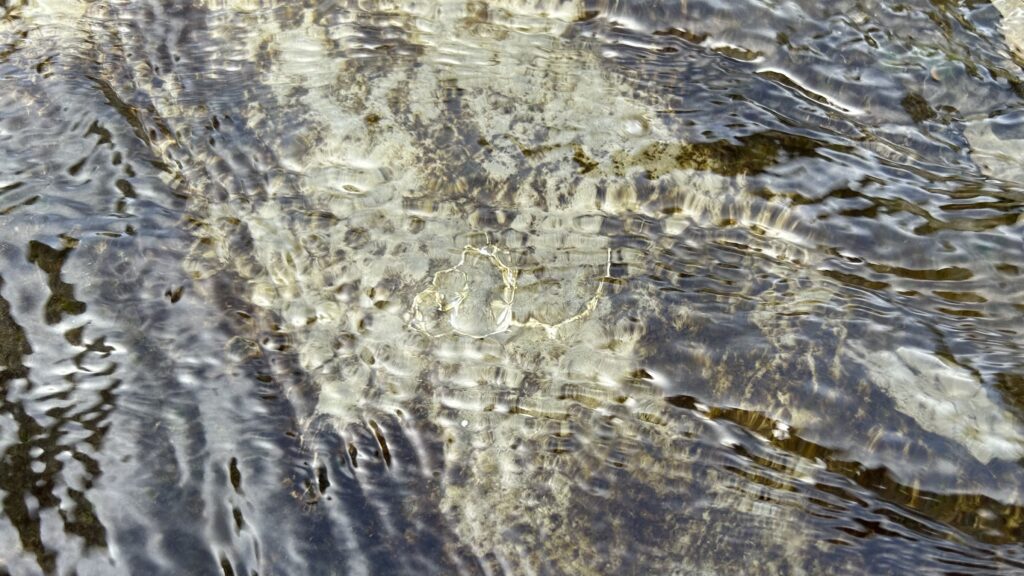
(511, 287)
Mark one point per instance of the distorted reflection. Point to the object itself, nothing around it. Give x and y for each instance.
(511, 287)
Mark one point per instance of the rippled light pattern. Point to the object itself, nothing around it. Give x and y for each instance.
(511, 287)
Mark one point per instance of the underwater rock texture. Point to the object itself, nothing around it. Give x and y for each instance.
(548, 288)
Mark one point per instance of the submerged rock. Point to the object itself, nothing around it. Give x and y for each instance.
(590, 337)
(945, 399)
(470, 209)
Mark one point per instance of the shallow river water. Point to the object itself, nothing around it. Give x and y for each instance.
(512, 287)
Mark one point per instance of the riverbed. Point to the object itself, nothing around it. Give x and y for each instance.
(511, 287)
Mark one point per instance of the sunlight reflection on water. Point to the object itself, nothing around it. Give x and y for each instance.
(511, 287)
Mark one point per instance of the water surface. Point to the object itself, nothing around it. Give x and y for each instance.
(511, 287)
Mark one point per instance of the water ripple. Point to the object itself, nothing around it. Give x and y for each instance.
(545, 287)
